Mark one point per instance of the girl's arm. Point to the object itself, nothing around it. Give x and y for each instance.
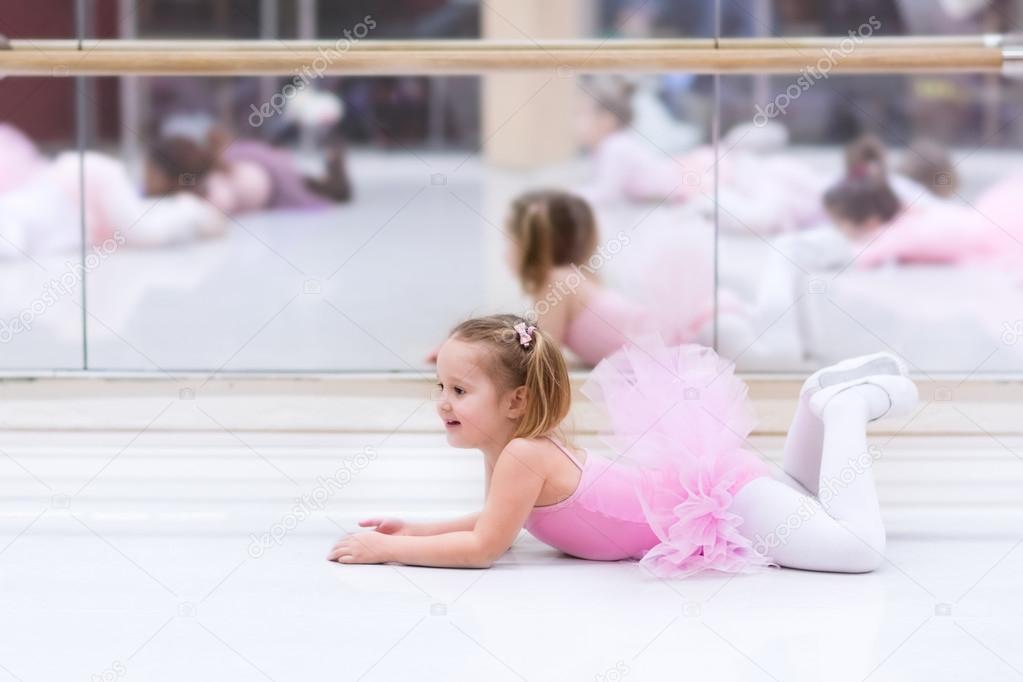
(439, 527)
(518, 478)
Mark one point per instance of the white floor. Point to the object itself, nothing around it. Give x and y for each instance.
(134, 556)
(199, 608)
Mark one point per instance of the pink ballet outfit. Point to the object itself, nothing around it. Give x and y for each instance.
(286, 188)
(671, 294)
(627, 168)
(604, 324)
(1001, 209)
(20, 159)
(757, 191)
(678, 417)
(608, 320)
(41, 202)
(934, 233)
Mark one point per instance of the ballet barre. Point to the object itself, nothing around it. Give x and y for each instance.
(991, 53)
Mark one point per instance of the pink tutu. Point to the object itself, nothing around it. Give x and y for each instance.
(19, 160)
(680, 414)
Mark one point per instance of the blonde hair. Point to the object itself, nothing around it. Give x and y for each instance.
(551, 228)
(539, 366)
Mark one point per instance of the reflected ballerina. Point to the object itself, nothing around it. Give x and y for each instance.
(555, 255)
(41, 202)
(240, 175)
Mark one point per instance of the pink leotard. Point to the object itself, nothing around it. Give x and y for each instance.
(679, 418)
(604, 523)
(604, 324)
(608, 320)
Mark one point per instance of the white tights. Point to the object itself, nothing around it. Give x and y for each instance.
(821, 512)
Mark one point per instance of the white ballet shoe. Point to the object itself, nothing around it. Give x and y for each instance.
(854, 368)
(885, 395)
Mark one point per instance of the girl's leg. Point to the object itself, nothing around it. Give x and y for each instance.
(804, 444)
(842, 530)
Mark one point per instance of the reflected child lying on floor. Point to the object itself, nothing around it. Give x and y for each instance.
(40, 203)
(883, 230)
(239, 175)
(760, 189)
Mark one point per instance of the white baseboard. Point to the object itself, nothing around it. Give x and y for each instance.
(395, 402)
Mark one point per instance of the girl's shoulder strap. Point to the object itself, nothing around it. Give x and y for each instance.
(566, 451)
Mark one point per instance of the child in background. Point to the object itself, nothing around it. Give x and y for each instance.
(238, 176)
(683, 496)
(41, 203)
(758, 189)
(883, 230)
(626, 167)
(554, 237)
(908, 183)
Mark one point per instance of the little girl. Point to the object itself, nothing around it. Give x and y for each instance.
(883, 229)
(683, 496)
(758, 188)
(238, 176)
(41, 201)
(553, 253)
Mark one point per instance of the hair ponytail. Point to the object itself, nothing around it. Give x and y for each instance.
(536, 256)
(864, 194)
(867, 150)
(534, 361)
(551, 228)
(548, 392)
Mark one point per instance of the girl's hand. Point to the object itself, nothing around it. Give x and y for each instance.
(389, 526)
(361, 548)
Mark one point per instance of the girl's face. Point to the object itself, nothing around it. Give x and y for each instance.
(475, 411)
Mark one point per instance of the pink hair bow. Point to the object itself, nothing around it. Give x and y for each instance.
(525, 333)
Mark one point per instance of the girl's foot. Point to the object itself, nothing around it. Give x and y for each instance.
(884, 395)
(854, 368)
(336, 185)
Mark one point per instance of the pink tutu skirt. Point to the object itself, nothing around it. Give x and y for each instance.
(680, 414)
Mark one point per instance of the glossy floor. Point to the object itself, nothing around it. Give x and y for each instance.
(161, 556)
(201, 608)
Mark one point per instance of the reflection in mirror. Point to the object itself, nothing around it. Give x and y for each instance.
(898, 230)
(905, 235)
(801, 18)
(284, 237)
(326, 223)
(41, 273)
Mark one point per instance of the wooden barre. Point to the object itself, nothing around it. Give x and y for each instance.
(256, 58)
(936, 42)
